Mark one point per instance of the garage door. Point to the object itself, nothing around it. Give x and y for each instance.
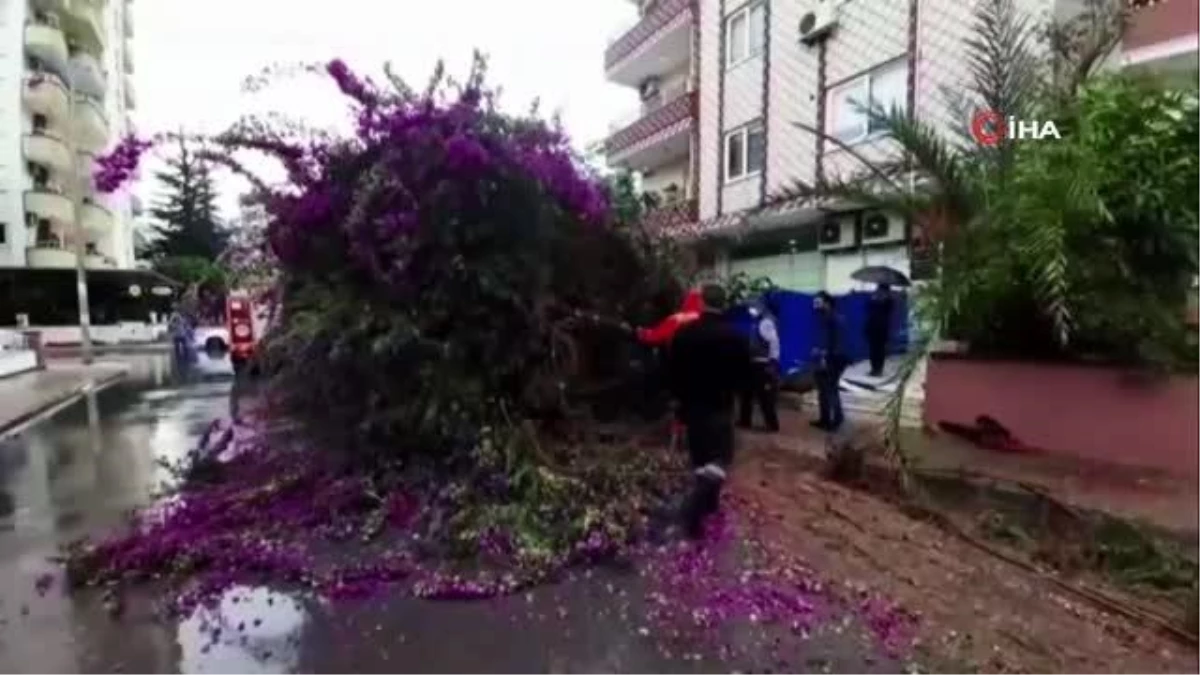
(792, 271)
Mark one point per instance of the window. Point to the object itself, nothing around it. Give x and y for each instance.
(745, 152)
(745, 33)
(885, 87)
(40, 122)
(3, 234)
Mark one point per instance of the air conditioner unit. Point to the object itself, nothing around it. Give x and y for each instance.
(649, 88)
(881, 228)
(839, 232)
(818, 21)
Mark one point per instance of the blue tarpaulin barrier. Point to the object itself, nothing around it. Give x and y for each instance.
(797, 321)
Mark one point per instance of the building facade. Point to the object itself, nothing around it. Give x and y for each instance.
(764, 74)
(66, 95)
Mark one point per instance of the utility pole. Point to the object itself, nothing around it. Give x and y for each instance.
(75, 185)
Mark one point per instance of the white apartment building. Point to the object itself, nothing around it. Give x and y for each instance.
(66, 95)
(724, 82)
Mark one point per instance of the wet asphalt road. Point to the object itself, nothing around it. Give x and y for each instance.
(78, 471)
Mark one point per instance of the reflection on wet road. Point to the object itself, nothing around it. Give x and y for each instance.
(79, 471)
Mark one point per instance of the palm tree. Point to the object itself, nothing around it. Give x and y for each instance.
(957, 192)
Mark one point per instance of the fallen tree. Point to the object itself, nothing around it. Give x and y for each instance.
(438, 278)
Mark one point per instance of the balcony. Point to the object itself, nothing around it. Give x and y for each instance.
(666, 219)
(48, 151)
(659, 43)
(660, 135)
(45, 42)
(48, 204)
(91, 126)
(50, 254)
(46, 94)
(1163, 37)
(95, 261)
(84, 26)
(88, 76)
(130, 95)
(96, 219)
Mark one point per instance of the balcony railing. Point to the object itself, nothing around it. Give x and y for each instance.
(680, 108)
(661, 13)
(672, 216)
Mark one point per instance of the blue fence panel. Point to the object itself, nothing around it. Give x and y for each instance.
(797, 321)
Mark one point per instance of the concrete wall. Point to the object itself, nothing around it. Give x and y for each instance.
(1092, 412)
(665, 175)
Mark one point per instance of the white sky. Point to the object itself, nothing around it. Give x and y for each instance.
(192, 55)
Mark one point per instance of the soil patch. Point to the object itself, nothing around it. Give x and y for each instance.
(978, 612)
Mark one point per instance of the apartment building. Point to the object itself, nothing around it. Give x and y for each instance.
(758, 71)
(66, 95)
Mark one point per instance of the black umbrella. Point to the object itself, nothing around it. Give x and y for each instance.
(881, 274)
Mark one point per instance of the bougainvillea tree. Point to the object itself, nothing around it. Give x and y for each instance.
(439, 276)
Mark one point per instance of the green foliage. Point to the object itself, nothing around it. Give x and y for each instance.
(741, 288)
(1081, 247)
(187, 213)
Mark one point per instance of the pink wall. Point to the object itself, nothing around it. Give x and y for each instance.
(1094, 412)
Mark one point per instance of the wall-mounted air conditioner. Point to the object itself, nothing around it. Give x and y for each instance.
(818, 21)
(838, 232)
(881, 228)
(649, 88)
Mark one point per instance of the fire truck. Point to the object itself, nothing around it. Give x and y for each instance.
(246, 322)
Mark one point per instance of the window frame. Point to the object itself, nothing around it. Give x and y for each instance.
(742, 132)
(743, 13)
(864, 81)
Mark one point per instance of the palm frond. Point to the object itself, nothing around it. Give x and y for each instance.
(1004, 70)
(932, 157)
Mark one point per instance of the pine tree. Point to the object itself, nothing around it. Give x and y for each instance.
(188, 226)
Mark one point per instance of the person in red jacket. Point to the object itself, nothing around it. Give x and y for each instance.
(660, 335)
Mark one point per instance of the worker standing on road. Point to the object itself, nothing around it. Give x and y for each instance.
(763, 386)
(830, 360)
(709, 365)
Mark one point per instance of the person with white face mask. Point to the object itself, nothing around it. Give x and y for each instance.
(763, 387)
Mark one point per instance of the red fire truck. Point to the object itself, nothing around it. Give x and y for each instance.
(246, 322)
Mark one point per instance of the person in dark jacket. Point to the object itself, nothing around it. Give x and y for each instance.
(709, 365)
(879, 323)
(830, 360)
(763, 386)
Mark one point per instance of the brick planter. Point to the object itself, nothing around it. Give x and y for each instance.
(1098, 413)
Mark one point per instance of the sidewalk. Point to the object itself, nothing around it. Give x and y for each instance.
(24, 397)
(1168, 501)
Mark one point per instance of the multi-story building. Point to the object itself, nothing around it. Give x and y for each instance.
(749, 75)
(65, 96)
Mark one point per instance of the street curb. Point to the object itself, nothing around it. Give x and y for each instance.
(18, 424)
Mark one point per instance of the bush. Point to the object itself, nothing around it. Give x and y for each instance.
(431, 267)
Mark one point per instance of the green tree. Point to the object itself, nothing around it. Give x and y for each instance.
(188, 225)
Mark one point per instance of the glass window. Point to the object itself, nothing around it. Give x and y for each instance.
(889, 88)
(735, 36)
(758, 28)
(756, 150)
(735, 154)
(844, 119)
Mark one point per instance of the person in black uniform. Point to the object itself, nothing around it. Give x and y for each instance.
(710, 363)
(879, 323)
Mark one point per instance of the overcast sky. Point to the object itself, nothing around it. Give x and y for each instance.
(192, 55)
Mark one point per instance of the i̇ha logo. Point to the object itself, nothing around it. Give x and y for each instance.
(989, 127)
